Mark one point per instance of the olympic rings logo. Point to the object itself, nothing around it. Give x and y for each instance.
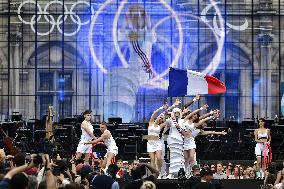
(43, 12)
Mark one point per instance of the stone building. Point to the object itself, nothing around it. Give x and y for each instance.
(61, 53)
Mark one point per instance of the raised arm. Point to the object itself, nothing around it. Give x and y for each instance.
(167, 126)
(84, 125)
(16, 170)
(49, 176)
(176, 103)
(204, 107)
(204, 120)
(196, 98)
(153, 116)
(207, 114)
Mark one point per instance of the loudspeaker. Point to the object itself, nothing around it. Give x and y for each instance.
(17, 117)
(248, 124)
(115, 120)
(232, 124)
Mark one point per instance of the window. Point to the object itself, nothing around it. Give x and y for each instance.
(65, 81)
(45, 101)
(46, 81)
(65, 106)
(63, 93)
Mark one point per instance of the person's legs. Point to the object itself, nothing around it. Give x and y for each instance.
(87, 158)
(109, 157)
(152, 159)
(159, 159)
(186, 160)
(104, 162)
(191, 158)
(258, 153)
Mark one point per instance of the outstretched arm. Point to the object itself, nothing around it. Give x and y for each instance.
(204, 107)
(212, 112)
(104, 136)
(196, 98)
(176, 103)
(49, 176)
(19, 169)
(212, 133)
(204, 120)
(153, 116)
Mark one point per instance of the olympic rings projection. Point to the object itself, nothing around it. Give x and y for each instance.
(49, 18)
(43, 13)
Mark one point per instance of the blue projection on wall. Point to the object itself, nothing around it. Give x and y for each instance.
(134, 43)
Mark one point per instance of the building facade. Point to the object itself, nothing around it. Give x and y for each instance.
(78, 55)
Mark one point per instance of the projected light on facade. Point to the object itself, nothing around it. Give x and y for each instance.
(123, 82)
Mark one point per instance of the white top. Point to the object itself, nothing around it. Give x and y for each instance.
(190, 127)
(187, 126)
(85, 137)
(262, 135)
(152, 130)
(195, 132)
(110, 142)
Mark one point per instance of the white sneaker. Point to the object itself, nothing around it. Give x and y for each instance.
(188, 175)
(160, 176)
(258, 175)
(105, 170)
(170, 176)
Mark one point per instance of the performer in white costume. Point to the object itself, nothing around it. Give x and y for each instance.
(193, 126)
(262, 139)
(108, 140)
(154, 144)
(87, 135)
(175, 143)
(123, 83)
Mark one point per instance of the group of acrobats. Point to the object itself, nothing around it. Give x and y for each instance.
(183, 125)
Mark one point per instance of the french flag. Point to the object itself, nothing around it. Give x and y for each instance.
(187, 82)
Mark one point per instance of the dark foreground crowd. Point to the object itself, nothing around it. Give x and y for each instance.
(39, 171)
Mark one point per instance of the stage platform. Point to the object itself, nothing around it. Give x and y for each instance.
(219, 184)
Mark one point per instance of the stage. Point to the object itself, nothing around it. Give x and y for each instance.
(218, 184)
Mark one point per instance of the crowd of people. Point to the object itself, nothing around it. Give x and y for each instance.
(85, 170)
(39, 171)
